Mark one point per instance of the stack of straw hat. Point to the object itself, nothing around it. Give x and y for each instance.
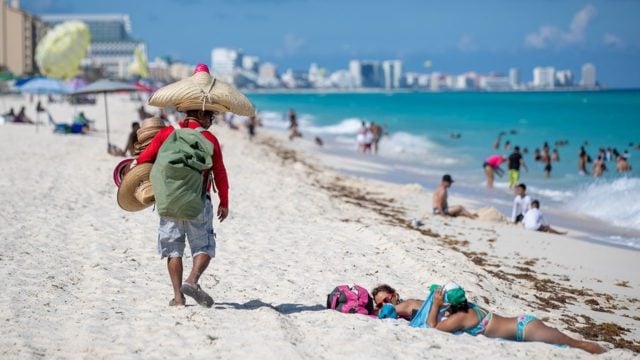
(135, 192)
(201, 91)
(148, 129)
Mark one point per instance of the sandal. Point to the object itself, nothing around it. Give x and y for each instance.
(173, 302)
(196, 292)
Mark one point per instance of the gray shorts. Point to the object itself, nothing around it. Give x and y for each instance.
(199, 231)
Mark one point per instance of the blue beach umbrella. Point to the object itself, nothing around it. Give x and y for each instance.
(44, 85)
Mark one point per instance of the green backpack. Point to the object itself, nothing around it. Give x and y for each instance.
(177, 173)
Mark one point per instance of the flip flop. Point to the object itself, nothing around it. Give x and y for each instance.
(173, 302)
(196, 292)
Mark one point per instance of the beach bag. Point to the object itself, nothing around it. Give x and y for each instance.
(351, 300)
(177, 174)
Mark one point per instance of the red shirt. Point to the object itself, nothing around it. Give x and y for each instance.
(149, 155)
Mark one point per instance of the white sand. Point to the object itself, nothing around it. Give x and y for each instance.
(83, 279)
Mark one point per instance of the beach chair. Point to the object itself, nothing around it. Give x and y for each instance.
(57, 128)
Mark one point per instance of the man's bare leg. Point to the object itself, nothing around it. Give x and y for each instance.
(549, 229)
(174, 265)
(200, 264)
(459, 210)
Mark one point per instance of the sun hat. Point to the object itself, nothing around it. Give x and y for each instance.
(149, 128)
(135, 192)
(454, 293)
(201, 91)
(121, 170)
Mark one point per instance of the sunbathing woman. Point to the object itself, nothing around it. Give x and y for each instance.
(479, 321)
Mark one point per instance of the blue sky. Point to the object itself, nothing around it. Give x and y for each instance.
(457, 36)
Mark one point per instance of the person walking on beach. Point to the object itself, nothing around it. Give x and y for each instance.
(200, 112)
(521, 203)
(132, 139)
(534, 220)
(441, 204)
(293, 125)
(376, 131)
(491, 165)
(515, 161)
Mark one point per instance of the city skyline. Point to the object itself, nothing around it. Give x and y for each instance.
(455, 38)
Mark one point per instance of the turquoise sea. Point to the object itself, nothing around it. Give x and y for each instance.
(419, 146)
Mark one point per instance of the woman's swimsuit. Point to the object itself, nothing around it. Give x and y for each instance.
(483, 320)
(523, 321)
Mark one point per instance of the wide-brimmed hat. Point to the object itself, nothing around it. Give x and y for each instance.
(121, 170)
(135, 192)
(201, 91)
(149, 128)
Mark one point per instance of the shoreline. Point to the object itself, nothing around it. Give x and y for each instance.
(581, 226)
(296, 229)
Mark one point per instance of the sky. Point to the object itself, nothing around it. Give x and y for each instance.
(456, 36)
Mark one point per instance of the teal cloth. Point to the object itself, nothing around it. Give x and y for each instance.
(420, 319)
(388, 311)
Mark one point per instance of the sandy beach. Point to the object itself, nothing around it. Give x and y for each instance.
(83, 278)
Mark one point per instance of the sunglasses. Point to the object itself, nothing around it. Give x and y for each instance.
(386, 300)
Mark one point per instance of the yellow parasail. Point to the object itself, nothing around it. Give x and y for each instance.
(61, 50)
(139, 65)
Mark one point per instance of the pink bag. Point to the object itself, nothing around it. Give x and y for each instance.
(351, 300)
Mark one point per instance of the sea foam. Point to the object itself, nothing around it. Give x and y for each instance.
(614, 201)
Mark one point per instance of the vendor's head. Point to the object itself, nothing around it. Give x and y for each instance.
(204, 117)
(384, 294)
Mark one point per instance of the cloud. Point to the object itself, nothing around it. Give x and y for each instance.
(613, 41)
(465, 44)
(549, 35)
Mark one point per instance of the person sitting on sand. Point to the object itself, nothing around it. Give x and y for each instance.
(22, 117)
(458, 318)
(521, 203)
(440, 202)
(534, 220)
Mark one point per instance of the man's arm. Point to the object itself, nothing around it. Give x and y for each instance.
(523, 164)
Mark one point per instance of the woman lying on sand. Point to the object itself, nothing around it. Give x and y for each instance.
(474, 320)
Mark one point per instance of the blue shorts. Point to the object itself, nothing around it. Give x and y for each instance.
(523, 321)
(199, 231)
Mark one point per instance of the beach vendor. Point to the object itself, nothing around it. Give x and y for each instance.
(446, 308)
(201, 97)
(491, 165)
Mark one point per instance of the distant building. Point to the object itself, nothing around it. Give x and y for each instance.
(564, 78)
(514, 78)
(495, 83)
(463, 82)
(224, 61)
(544, 77)
(20, 33)
(268, 75)
(392, 72)
(370, 74)
(588, 75)
(112, 42)
(250, 63)
(355, 70)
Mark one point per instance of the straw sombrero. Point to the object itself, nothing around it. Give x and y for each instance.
(135, 192)
(149, 128)
(201, 91)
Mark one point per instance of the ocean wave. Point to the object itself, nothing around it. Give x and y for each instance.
(614, 201)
